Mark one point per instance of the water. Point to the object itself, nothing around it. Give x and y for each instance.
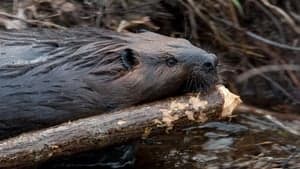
(246, 142)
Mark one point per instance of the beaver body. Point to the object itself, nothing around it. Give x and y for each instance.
(52, 76)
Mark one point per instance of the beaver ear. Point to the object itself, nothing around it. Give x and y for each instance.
(128, 58)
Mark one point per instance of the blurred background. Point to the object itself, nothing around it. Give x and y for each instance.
(258, 43)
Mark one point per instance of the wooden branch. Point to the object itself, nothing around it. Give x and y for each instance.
(31, 21)
(281, 115)
(107, 129)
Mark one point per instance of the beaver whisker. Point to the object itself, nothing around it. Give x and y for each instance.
(192, 84)
(199, 82)
(188, 83)
(200, 86)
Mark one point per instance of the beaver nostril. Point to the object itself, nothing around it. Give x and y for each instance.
(208, 66)
(210, 63)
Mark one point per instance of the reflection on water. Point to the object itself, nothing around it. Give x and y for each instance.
(246, 142)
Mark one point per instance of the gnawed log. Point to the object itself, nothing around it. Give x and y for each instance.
(107, 129)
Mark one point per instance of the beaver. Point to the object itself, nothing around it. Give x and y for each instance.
(52, 76)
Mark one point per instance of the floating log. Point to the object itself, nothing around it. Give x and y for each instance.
(103, 130)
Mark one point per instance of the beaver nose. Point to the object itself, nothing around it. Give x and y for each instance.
(210, 63)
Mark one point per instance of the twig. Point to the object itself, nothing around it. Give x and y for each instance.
(192, 20)
(263, 69)
(31, 21)
(272, 17)
(233, 13)
(293, 14)
(281, 125)
(131, 8)
(255, 36)
(278, 86)
(284, 116)
(198, 11)
(146, 21)
(282, 60)
(285, 163)
(15, 6)
(288, 19)
(270, 42)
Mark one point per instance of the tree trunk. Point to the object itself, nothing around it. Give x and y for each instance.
(107, 129)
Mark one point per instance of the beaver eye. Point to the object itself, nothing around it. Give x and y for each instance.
(171, 62)
(128, 58)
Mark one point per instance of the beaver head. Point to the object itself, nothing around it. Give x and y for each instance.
(151, 66)
(48, 77)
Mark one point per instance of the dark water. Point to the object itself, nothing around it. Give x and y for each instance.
(246, 142)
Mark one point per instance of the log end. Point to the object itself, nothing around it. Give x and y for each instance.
(231, 101)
